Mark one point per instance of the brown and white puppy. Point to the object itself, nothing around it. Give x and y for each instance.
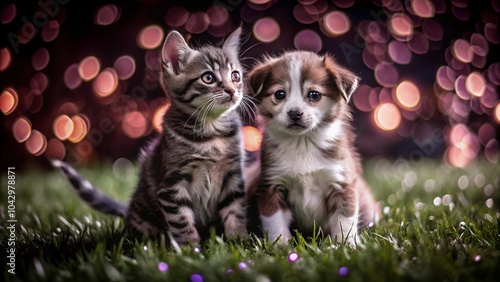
(311, 172)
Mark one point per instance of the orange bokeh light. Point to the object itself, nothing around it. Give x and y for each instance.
(5, 58)
(401, 25)
(456, 157)
(408, 94)
(387, 116)
(36, 143)
(80, 129)
(266, 29)
(336, 23)
(63, 126)
(150, 37)
(8, 101)
(105, 83)
(157, 119)
(21, 129)
(89, 67)
(134, 124)
(252, 138)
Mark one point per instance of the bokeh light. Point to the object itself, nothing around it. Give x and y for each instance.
(39, 83)
(150, 37)
(80, 128)
(8, 101)
(218, 15)
(157, 119)
(197, 22)
(5, 58)
(408, 94)
(496, 113)
(176, 16)
(475, 84)
(21, 129)
(134, 124)
(266, 29)
(399, 52)
(462, 51)
(50, 31)
(308, 40)
(252, 138)
(89, 67)
(55, 150)
(125, 67)
(72, 77)
(387, 116)
(36, 143)
(105, 83)
(336, 23)
(423, 8)
(107, 15)
(63, 127)
(386, 74)
(401, 25)
(8, 13)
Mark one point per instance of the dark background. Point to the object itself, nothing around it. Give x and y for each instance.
(444, 125)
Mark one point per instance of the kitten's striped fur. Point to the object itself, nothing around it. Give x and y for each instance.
(191, 177)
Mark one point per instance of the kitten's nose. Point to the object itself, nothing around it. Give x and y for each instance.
(229, 91)
(294, 115)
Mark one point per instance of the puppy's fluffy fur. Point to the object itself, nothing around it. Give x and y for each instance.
(311, 171)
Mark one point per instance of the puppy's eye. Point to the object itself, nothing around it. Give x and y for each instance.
(208, 78)
(235, 76)
(279, 95)
(314, 95)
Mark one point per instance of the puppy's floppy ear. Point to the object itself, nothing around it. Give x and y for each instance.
(257, 78)
(345, 80)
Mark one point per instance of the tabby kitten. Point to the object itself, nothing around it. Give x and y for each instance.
(191, 176)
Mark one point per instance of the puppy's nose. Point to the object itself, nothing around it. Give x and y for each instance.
(294, 115)
(229, 91)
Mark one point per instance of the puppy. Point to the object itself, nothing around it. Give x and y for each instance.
(311, 172)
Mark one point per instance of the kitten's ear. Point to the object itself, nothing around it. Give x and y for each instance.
(346, 81)
(257, 78)
(232, 43)
(174, 51)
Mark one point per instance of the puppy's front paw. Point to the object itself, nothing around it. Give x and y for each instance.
(238, 231)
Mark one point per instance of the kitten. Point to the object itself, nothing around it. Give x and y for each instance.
(191, 176)
(311, 171)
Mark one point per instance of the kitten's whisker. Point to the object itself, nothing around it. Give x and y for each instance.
(246, 50)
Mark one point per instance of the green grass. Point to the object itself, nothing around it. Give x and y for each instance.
(61, 239)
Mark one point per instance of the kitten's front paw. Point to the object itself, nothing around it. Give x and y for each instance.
(240, 232)
(234, 228)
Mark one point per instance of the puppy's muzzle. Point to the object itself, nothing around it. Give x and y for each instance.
(294, 115)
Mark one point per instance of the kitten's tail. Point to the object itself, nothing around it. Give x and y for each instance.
(89, 194)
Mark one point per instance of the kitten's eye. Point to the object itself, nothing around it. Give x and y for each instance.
(235, 76)
(208, 78)
(314, 95)
(279, 95)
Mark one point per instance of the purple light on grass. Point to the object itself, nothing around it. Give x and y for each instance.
(343, 271)
(162, 266)
(196, 278)
(293, 257)
(242, 265)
